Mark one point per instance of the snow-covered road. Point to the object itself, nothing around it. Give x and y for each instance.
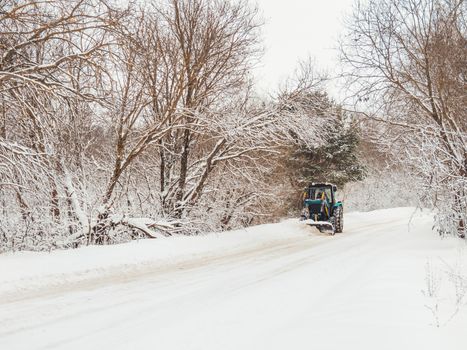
(278, 286)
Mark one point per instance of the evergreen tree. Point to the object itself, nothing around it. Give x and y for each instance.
(335, 161)
(332, 156)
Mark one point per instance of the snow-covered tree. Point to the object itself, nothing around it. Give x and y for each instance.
(127, 121)
(406, 60)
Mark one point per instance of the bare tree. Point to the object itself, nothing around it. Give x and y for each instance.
(49, 54)
(209, 49)
(408, 58)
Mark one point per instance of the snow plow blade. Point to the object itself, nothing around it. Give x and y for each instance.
(321, 225)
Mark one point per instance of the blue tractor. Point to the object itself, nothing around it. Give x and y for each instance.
(321, 208)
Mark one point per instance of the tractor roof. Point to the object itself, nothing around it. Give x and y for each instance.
(324, 184)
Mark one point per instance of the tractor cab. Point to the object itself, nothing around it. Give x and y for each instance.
(321, 192)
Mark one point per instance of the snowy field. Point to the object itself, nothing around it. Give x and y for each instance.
(387, 282)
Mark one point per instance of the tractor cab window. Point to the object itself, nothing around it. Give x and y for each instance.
(327, 194)
(317, 193)
(312, 193)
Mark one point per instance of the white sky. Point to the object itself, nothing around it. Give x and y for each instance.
(296, 29)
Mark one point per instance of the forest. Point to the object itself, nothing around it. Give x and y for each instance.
(122, 120)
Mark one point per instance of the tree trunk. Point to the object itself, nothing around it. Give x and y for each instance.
(55, 209)
(183, 173)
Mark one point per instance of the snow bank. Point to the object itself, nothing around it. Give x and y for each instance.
(32, 270)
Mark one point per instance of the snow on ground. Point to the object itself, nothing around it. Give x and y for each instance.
(387, 282)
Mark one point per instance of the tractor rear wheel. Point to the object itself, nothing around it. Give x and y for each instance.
(339, 219)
